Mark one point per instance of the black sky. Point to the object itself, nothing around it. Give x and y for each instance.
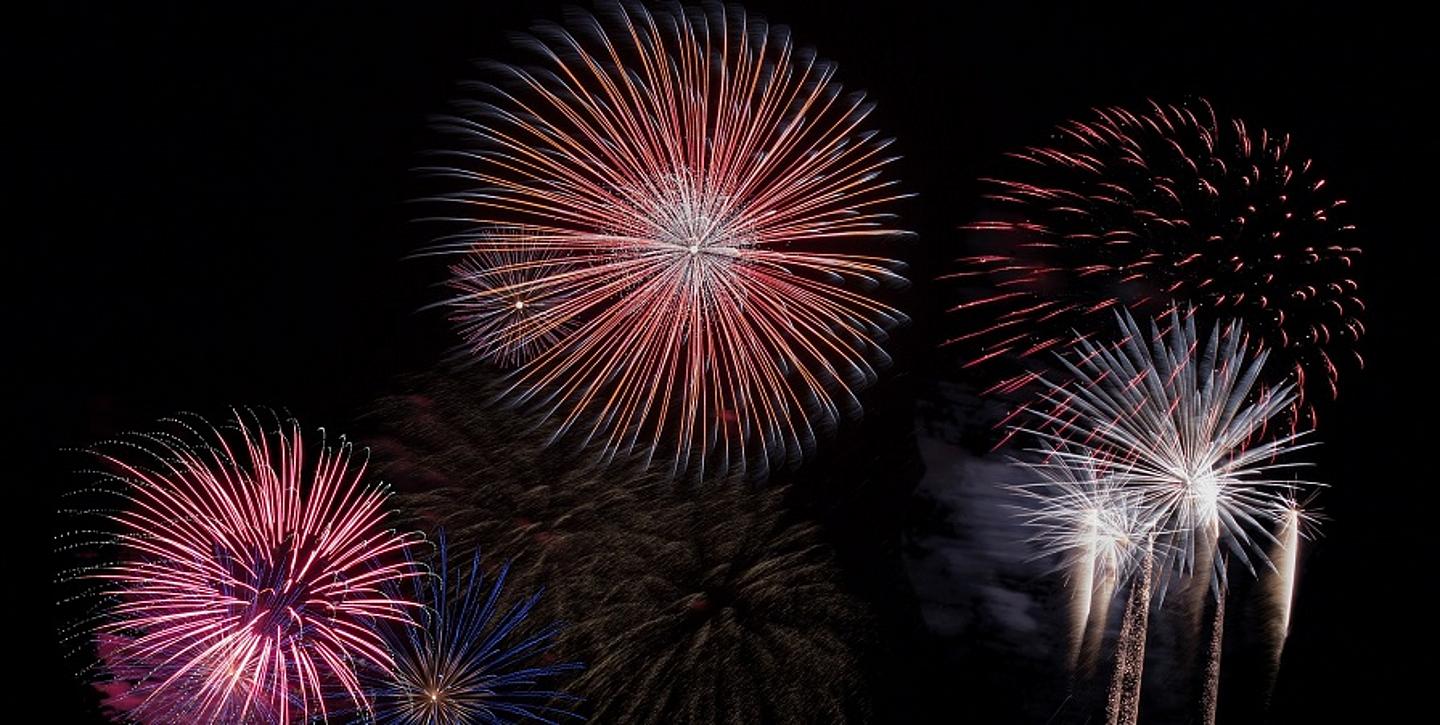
(207, 207)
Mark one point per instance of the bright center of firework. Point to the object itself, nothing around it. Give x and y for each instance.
(519, 304)
(1202, 489)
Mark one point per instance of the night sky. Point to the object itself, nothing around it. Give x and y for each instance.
(211, 211)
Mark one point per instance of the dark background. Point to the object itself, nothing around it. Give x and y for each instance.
(207, 208)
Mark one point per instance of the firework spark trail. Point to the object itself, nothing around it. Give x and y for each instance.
(247, 577)
(1144, 209)
(1101, 594)
(1210, 686)
(706, 186)
(1123, 704)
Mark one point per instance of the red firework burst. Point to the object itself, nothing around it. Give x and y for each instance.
(702, 183)
(1149, 210)
(247, 579)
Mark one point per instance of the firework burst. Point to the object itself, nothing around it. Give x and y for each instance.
(247, 577)
(691, 191)
(482, 474)
(502, 308)
(720, 610)
(1141, 210)
(1080, 513)
(1179, 420)
(471, 660)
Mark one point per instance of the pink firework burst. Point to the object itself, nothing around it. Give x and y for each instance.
(247, 581)
(705, 186)
(1145, 210)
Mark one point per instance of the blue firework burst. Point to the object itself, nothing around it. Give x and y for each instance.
(472, 659)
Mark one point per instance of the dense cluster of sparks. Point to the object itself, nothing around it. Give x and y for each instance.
(248, 578)
(1143, 210)
(684, 191)
(472, 659)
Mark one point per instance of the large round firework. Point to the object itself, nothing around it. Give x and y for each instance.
(719, 611)
(475, 658)
(1143, 210)
(246, 577)
(695, 195)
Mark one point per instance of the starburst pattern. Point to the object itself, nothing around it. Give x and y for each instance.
(247, 577)
(472, 660)
(1146, 209)
(1179, 423)
(706, 187)
(501, 306)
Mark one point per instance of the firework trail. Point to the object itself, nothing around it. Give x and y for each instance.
(1279, 584)
(504, 316)
(1123, 704)
(472, 660)
(1287, 551)
(699, 193)
(1143, 209)
(1210, 686)
(246, 576)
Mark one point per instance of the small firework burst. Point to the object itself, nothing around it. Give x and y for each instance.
(502, 305)
(472, 659)
(1143, 210)
(694, 195)
(246, 577)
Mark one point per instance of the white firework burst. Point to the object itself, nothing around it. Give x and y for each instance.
(1179, 425)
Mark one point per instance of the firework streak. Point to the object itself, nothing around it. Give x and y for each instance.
(688, 195)
(1123, 704)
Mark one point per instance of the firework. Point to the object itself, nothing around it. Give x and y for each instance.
(505, 316)
(482, 474)
(720, 611)
(1123, 702)
(1140, 210)
(247, 577)
(472, 660)
(692, 192)
(1078, 511)
(687, 605)
(1181, 420)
